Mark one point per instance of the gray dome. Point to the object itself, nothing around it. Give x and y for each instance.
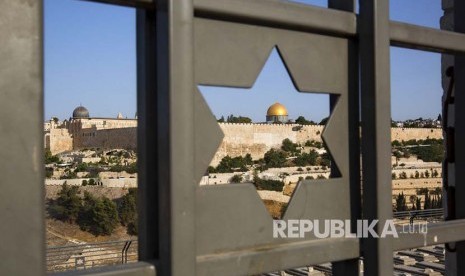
(80, 112)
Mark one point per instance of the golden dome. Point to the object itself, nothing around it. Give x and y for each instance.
(277, 109)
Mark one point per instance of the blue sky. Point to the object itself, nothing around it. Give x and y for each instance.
(90, 60)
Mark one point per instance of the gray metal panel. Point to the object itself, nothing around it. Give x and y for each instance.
(438, 233)
(376, 130)
(208, 136)
(279, 14)
(350, 267)
(147, 133)
(423, 38)
(316, 200)
(233, 54)
(175, 131)
(459, 120)
(232, 218)
(277, 257)
(135, 269)
(22, 249)
(336, 136)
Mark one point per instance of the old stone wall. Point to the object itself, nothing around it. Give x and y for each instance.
(113, 183)
(107, 123)
(239, 139)
(406, 134)
(51, 191)
(58, 140)
(256, 139)
(122, 138)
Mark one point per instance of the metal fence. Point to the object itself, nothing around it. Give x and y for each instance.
(84, 256)
(190, 230)
(428, 213)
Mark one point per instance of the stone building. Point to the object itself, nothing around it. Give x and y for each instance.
(277, 113)
(83, 131)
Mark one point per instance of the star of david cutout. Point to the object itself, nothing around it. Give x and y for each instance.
(276, 207)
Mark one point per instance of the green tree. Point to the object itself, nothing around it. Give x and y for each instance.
(396, 143)
(275, 158)
(236, 179)
(418, 204)
(427, 174)
(288, 146)
(238, 120)
(268, 185)
(98, 216)
(48, 172)
(413, 200)
(307, 159)
(325, 162)
(403, 175)
(427, 204)
(422, 191)
(401, 203)
(431, 153)
(82, 167)
(302, 121)
(248, 159)
(324, 121)
(127, 211)
(49, 158)
(66, 206)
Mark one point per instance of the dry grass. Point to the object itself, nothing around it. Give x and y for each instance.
(62, 233)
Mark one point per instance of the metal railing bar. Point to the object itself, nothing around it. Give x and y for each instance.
(92, 244)
(292, 255)
(139, 268)
(279, 14)
(437, 233)
(424, 38)
(86, 254)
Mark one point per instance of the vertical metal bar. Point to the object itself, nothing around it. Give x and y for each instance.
(122, 252)
(459, 61)
(376, 123)
(175, 136)
(22, 250)
(343, 5)
(351, 267)
(148, 203)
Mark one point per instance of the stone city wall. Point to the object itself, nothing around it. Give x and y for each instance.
(51, 191)
(107, 123)
(118, 138)
(239, 139)
(406, 134)
(114, 183)
(256, 139)
(58, 140)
